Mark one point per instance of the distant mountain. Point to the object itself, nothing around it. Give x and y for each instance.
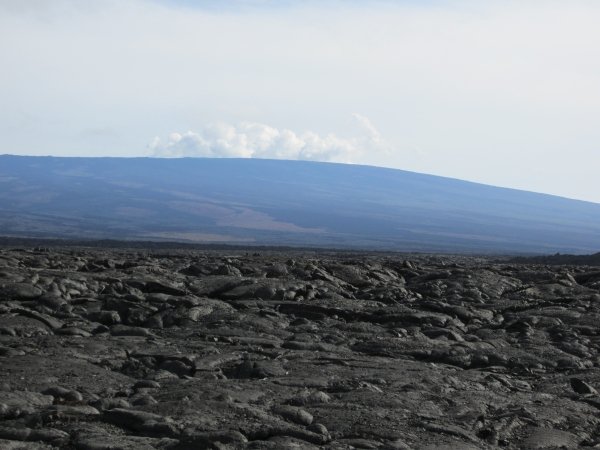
(272, 202)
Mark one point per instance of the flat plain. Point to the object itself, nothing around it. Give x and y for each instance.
(224, 349)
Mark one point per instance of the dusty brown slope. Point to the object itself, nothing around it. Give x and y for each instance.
(188, 349)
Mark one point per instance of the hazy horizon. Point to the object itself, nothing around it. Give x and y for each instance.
(500, 93)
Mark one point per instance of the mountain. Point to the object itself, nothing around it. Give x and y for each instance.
(274, 202)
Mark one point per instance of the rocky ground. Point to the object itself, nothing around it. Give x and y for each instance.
(166, 349)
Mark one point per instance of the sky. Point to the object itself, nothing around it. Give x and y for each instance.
(500, 92)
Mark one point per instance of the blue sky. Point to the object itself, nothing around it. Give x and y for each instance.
(500, 92)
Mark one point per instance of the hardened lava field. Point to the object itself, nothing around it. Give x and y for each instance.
(192, 349)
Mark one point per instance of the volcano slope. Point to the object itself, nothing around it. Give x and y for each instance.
(182, 349)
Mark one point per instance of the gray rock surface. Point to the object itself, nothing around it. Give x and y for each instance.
(182, 349)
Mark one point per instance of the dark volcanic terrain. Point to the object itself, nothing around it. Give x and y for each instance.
(189, 349)
(274, 202)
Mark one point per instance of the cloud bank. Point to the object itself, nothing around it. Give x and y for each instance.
(256, 140)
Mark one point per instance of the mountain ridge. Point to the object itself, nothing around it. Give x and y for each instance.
(277, 202)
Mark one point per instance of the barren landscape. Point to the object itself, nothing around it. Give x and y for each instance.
(299, 225)
(264, 349)
(284, 203)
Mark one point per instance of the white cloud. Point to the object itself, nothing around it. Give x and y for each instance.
(256, 140)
